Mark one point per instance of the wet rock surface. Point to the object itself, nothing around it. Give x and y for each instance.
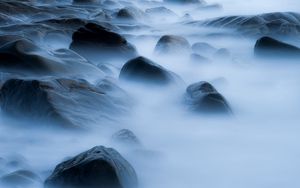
(51, 102)
(142, 69)
(203, 97)
(125, 137)
(269, 48)
(277, 23)
(96, 42)
(171, 44)
(98, 167)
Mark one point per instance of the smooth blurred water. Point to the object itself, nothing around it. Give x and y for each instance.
(258, 147)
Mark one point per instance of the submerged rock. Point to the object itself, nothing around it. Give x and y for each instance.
(196, 58)
(97, 43)
(203, 48)
(269, 48)
(20, 178)
(98, 167)
(222, 53)
(161, 13)
(125, 137)
(52, 102)
(276, 23)
(203, 97)
(142, 69)
(172, 44)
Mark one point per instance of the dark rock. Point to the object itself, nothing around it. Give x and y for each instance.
(203, 97)
(4, 39)
(142, 69)
(269, 47)
(28, 99)
(171, 44)
(98, 167)
(20, 178)
(18, 55)
(52, 102)
(95, 42)
(25, 58)
(125, 137)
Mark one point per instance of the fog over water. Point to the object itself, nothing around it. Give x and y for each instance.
(256, 147)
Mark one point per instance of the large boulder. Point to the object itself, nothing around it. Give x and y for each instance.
(21, 55)
(203, 97)
(97, 44)
(98, 167)
(141, 69)
(172, 44)
(269, 47)
(24, 57)
(51, 102)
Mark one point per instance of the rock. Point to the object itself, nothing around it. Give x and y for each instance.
(125, 137)
(130, 14)
(23, 57)
(222, 53)
(161, 13)
(18, 55)
(203, 48)
(141, 69)
(269, 47)
(4, 39)
(172, 44)
(51, 102)
(20, 178)
(199, 59)
(7, 20)
(277, 23)
(65, 23)
(98, 167)
(203, 97)
(97, 43)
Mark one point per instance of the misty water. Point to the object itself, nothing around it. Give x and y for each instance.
(256, 147)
